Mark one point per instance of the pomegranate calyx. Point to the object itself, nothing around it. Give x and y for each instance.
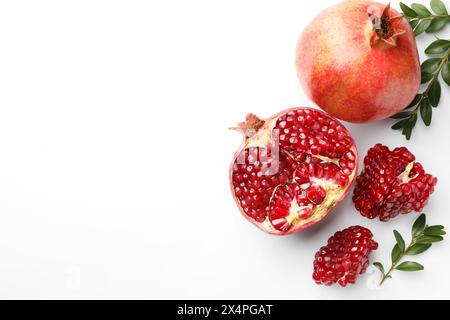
(250, 126)
(385, 28)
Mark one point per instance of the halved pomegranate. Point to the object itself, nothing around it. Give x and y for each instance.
(292, 169)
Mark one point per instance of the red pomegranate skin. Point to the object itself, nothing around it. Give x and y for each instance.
(350, 76)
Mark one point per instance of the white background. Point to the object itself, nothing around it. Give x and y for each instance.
(114, 154)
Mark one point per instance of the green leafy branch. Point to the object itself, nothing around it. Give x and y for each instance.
(430, 97)
(422, 19)
(422, 239)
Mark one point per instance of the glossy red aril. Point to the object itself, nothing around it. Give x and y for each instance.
(358, 61)
(292, 169)
(391, 183)
(345, 256)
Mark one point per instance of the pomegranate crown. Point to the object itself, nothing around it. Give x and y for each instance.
(250, 126)
(385, 27)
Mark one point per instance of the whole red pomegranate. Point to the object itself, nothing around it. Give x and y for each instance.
(358, 61)
(292, 169)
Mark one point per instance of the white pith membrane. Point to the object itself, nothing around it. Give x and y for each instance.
(333, 192)
(404, 176)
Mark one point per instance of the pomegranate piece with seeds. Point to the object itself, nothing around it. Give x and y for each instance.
(345, 256)
(292, 169)
(391, 183)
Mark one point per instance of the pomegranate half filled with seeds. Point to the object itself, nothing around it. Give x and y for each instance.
(292, 169)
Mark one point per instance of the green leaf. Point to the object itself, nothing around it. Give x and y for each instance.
(430, 65)
(439, 7)
(434, 95)
(419, 225)
(407, 10)
(418, 248)
(437, 47)
(379, 266)
(410, 124)
(435, 232)
(426, 112)
(429, 239)
(446, 73)
(407, 132)
(425, 77)
(409, 266)
(415, 101)
(399, 125)
(400, 241)
(401, 115)
(414, 23)
(422, 26)
(436, 25)
(421, 10)
(396, 254)
(436, 227)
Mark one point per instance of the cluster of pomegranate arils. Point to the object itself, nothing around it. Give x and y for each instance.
(293, 168)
